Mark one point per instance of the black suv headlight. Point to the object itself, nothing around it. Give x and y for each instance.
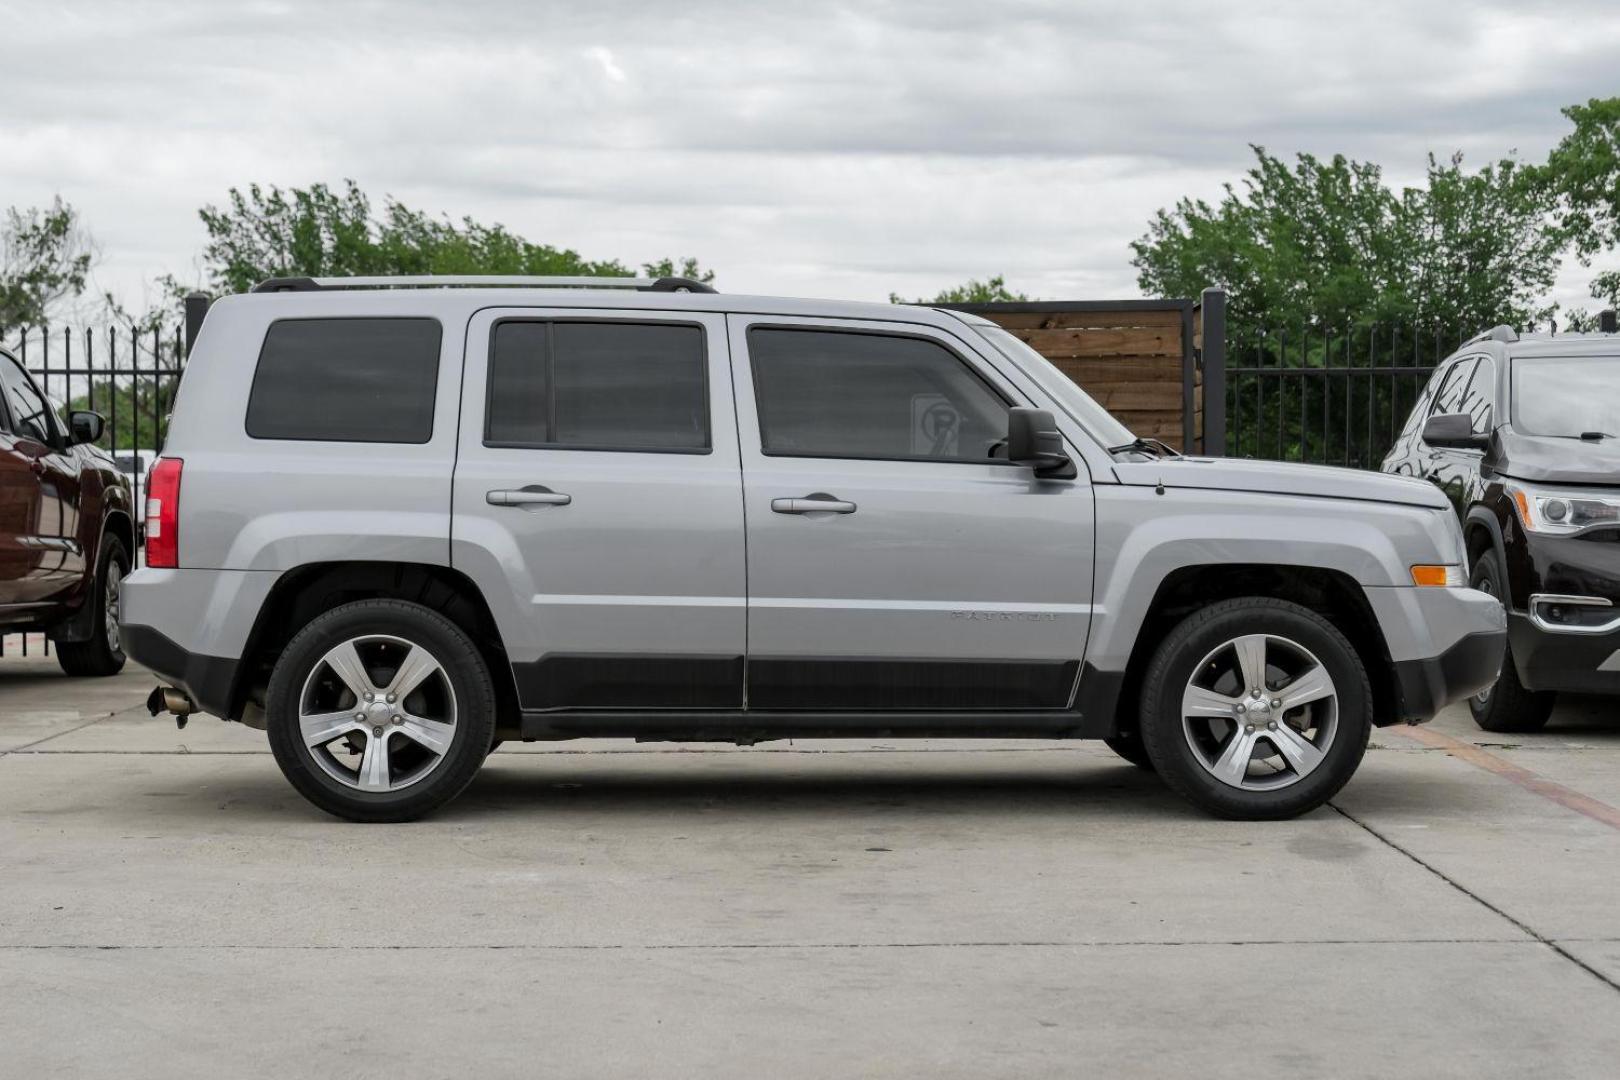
(1564, 513)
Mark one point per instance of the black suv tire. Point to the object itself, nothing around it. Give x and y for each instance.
(1505, 707)
(462, 669)
(103, 653)
(1173, 667)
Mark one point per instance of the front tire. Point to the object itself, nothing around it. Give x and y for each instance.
(1256, 709)
(1505, 706)
(380, 710)
(103, 654)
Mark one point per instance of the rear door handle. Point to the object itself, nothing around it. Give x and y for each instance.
(817, 503)
(533, 495)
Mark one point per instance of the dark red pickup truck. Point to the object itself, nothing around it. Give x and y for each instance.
(67, 530)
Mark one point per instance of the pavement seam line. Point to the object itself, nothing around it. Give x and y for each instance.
(1528, 930)
(26, 747)
(822, 946)
(1533, 782)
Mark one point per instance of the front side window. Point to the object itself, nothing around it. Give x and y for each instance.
(598, 386)
(1478, 399)
(831, 393)
(29, 409)
(346, 380)
(1448, 399)
(1568, 396)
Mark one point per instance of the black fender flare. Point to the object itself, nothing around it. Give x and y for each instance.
(1480, 517)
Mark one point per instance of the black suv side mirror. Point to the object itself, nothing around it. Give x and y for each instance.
(1033, 439)
(1454, 430)
(86, 426)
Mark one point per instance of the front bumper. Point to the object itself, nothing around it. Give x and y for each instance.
(1426, 686)
(1578, 663)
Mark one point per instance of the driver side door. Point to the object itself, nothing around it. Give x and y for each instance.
(893, 563)
(40, 554)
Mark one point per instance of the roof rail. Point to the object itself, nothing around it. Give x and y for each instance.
(1504, 333)
(474, 281)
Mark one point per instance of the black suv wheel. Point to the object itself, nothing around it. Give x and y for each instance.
(1505, 706)
(1256, 708)
(380, 710)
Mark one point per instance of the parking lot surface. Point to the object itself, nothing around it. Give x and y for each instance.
(169, 907)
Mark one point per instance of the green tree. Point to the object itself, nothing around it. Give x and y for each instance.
(45, 256)
(266, 232)
(138, 407)
(1327, 243)
(972, 291)
(1583, 174)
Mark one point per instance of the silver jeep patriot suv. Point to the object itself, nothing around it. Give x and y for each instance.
(398, 521)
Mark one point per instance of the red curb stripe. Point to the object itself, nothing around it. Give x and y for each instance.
(1568, 798)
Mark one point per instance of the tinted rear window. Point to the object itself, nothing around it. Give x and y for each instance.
(346, 380)
(598, 386)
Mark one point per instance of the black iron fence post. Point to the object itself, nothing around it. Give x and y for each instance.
(1212, 308)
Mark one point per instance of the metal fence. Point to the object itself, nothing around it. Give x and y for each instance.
(1328, 397)
(128, 376)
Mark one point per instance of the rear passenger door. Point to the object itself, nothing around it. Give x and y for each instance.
(598, 504)
(893, 562)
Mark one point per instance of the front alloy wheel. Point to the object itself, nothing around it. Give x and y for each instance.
(1256, 708)
(1260, 712)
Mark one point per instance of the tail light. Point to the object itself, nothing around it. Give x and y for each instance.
(163, 514)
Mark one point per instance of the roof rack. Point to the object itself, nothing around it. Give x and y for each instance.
(1504, 333)
(476, 281)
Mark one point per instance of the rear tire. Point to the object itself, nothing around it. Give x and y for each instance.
(103, 654)
(1256, 709)
(1505, 707)
(380, 710)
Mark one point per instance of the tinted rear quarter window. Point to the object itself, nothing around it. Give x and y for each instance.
(346, 380)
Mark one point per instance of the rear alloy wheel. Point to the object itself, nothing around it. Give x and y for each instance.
(1505, 706)
(380, 710)
(1256, 708)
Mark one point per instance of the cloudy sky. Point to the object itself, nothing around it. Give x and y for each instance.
(809, 148)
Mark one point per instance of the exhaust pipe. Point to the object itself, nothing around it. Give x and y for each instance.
(171, 700)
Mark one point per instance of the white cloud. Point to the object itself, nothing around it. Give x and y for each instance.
(847, 149)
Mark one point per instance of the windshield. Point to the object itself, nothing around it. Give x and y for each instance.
(1566, 395)
(1075, 401)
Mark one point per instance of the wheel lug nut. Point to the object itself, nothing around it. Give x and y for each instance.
(377, 731)
(1272, 726)
(1276, 703)
(1242, 708)
(390, 699)
(359, 716)
(371, 697)
(1248, 729)
(399, 719)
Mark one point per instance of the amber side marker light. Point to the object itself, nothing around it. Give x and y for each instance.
(1438, 576)
(1522, 501)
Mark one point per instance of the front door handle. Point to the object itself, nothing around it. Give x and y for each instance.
(533, 495)
(816, 503)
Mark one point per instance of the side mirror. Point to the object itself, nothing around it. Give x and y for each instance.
(86, 427)
(1033, 439)
(1455, 430)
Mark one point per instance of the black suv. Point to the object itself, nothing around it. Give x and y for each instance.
(1523, 434)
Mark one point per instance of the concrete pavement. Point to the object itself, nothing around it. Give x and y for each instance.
(169, 907)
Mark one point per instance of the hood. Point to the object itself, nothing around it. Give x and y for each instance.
(1557, 461)
(1282, 478)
